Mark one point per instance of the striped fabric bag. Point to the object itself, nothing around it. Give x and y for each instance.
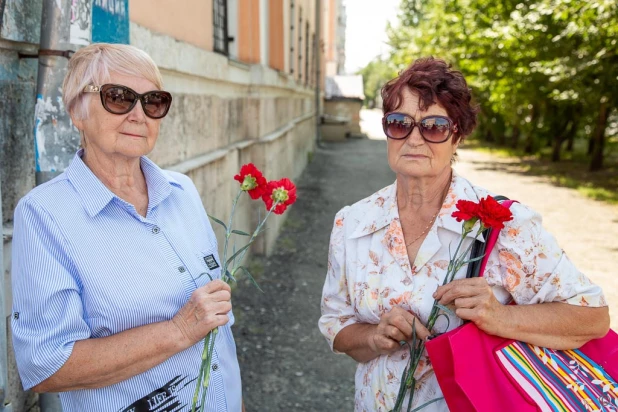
(559, 380)
(478, 372)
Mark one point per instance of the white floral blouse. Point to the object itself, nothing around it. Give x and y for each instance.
(369, 273)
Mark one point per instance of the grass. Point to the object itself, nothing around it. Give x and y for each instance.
(572, 171)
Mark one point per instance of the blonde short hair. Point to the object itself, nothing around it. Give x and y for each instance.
(92, 65)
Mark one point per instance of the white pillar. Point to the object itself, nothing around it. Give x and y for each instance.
(232, 27)
(264, 32)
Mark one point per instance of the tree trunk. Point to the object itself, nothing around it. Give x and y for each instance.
(499, 128)
(571, 140)
(598, 137)
(560, 129)
(570, 134)
(531, 141)
(515, 137)
(556, 146)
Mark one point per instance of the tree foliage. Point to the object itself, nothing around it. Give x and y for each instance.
(375, 75)
(543, 71)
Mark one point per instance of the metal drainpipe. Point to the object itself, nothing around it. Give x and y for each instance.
(66, 25)
(318, 48)
(3, 330)
(3, 314)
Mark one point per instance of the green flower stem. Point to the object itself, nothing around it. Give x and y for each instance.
(408, 381)
(255, 233)
(206, 380)
(199, 379)
(203, 378)
(228, 233)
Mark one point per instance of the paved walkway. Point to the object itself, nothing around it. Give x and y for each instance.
(285, 362)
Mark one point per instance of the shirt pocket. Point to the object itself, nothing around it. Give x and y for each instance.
(210, 265)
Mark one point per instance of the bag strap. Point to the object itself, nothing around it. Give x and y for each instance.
(479, 248)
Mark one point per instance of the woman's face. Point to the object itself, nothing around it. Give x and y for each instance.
(413, 156)
(129, 135)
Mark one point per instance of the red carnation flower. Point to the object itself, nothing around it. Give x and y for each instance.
(493, 214)
(467, 210)
(251, 180)
(281, 191)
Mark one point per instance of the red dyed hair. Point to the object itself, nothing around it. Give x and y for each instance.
(435, 82)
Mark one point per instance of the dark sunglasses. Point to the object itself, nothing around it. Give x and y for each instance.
(433, 129)
(118, 99)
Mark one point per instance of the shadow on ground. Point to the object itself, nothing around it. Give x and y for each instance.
(285, 362)
(601, 185)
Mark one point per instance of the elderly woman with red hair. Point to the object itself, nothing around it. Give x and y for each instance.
(389, 253)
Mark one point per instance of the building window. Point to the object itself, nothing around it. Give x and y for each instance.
(300, 44)
(220, 33)
(292, 36)
(306, 53)
(313, 69)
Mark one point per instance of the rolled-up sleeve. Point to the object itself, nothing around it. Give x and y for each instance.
(528, 262)
(337, 308)
(47, 309)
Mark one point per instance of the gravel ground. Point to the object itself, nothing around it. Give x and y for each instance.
(285, 362)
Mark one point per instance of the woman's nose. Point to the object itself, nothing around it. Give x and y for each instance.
(137, 113)
(415, 138)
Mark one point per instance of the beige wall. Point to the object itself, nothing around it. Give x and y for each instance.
(186, 20)
(345, 119)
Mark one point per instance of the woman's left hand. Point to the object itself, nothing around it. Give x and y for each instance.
(473, 300)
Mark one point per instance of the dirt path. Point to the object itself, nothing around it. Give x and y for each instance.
(285, 362)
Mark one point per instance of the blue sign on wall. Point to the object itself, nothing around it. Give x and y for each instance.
(110, 21)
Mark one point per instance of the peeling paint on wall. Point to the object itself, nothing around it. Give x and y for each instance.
(55, 137)
(110, 21)
(21, 21)
(81, 12)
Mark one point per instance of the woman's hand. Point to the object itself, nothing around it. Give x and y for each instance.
(207, 309)
(395, 327)
(473, 300)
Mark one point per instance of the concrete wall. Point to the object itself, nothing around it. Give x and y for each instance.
(225, 113)
(189, 21)
(342, 119)
(20, 28)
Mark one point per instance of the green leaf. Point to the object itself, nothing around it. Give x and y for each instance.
(244, 269)
(218, 221)
(229, 276)
(202, 274)
(473, 259)
(240, 232)
(238, 252)
(445, 309)
(427, 404)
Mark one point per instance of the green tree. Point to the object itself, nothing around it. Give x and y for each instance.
(543, 71)
(375, 75)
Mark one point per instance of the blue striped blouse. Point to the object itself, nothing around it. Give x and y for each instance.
(87, 265)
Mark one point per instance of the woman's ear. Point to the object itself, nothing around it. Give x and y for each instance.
(76, 120)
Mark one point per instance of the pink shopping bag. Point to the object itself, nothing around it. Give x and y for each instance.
(485, 373)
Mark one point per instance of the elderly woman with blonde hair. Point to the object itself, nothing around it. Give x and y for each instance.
(109, 303)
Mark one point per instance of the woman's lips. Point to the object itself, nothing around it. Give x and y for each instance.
(131, 134)
(415, 156)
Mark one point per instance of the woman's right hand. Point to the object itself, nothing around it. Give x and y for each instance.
(394, 327)
(207, 309)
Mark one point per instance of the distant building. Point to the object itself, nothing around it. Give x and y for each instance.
(343, 100)
(334, 37)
